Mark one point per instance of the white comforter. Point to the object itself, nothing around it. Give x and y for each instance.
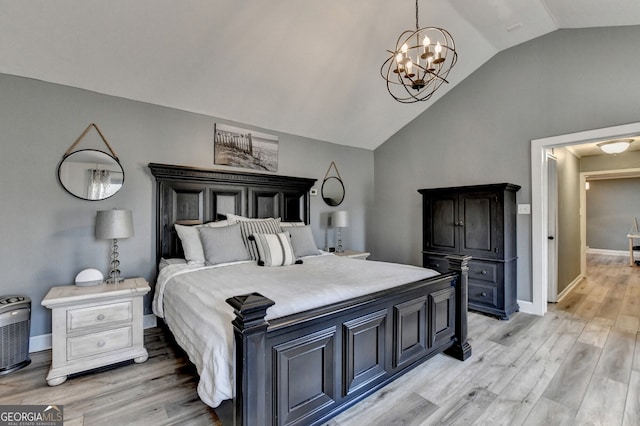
(192, 302)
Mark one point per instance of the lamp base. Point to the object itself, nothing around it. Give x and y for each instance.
(339, 248)
(114, 280)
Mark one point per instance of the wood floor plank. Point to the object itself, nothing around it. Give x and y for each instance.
(632, 405)
(630, 323)
(598, 294)
(631, 305)
(572, 379)
(636, 356)
(463, 410)
(617, 356)
(595, 333)
(512, 407)
(547, 412)
(603, 403)
(609, 310)
(587, 309)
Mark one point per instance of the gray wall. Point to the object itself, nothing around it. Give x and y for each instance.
(611, 207)
(480, 132)
(568, 235)
(612, 204)
(48, 234)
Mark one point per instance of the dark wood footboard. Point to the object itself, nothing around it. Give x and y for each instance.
(308, 367)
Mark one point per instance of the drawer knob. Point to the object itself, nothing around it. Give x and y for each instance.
(101, 343)
(483, 272)
(483, 294)
(100, 317)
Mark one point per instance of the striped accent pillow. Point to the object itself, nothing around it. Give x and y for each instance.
(274, 249)
(257, 226)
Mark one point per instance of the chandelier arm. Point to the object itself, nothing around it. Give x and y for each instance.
(438, 76)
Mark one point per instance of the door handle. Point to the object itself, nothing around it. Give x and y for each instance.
(550, 237)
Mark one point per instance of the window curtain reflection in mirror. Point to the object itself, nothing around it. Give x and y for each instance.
(99, 184)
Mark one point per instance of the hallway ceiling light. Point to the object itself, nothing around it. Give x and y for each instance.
(616, 146)
(419, 64)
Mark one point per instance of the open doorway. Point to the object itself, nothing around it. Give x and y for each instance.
(540, 201)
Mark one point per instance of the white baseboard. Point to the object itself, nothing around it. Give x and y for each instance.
(606, 252)
(527, 307)
(570, 287)
(43, 342)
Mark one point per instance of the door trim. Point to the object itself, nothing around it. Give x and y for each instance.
(539, 208)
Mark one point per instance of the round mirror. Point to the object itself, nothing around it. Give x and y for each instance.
(332, 191)
(90, 174)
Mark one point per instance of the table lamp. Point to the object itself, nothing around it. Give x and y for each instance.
(339, 220)
(111, 225)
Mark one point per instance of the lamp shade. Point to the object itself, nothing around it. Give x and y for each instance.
(340, 219)
(114, 224)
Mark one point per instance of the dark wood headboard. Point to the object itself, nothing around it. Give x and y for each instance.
(190, 196)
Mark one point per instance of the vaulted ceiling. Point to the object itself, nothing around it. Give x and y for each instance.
(300, 67)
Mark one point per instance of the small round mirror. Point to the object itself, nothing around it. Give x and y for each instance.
(332, 191)
(90, 174)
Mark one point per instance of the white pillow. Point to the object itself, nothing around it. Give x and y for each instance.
(191, 244)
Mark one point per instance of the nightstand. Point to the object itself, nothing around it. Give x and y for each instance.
(95, 326)
(354, 254)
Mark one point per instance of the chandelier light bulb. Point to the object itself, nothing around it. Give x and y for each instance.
(409, 68)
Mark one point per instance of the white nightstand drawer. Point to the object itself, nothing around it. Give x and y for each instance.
(97, 343)
(96, 316)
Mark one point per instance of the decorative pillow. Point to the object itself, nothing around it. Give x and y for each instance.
(223, 244)
(274, 249)
(291, 224)
(302, 241)
(257, 226)
(190, 239)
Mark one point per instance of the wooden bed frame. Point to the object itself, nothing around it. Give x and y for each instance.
(307, 367)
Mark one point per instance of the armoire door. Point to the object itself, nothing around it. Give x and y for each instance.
(480, 225)
(440, 223)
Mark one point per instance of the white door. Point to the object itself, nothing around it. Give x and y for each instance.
(552, 220)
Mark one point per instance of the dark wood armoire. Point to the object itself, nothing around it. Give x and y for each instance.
(477, 221)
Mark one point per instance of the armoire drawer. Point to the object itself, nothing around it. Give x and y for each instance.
(437, 263)
(483, 271)
(483, 293)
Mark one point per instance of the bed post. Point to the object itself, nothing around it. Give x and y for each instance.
(461, 349)
(249, 329)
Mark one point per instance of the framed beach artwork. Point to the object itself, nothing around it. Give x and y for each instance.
(233, 146)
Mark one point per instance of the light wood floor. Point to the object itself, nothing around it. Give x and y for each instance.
(577, 365)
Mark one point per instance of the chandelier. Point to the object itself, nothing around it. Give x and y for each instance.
(419, 64)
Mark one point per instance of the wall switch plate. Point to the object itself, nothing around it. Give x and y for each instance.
(524, 208)
(313, 191)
